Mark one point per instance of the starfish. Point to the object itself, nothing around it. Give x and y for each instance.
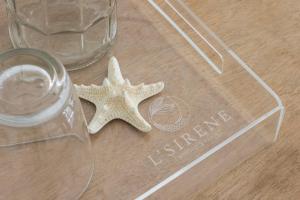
(117, 98)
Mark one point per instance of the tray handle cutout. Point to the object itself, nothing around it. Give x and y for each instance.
(194, 31)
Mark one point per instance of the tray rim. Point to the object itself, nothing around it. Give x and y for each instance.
(279, 108)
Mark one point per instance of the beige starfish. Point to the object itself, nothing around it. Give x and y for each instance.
(118, 99)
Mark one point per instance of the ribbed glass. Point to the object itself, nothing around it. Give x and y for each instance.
(78, 32)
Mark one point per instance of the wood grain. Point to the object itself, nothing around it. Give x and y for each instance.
(266, 34)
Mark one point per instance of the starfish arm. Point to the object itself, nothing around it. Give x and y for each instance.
(99, 120)
(88, 92)
(132, 115)
(145, 91)
(114, 72)
(134, 118)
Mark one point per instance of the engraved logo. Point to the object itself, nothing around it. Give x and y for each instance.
(169, 114)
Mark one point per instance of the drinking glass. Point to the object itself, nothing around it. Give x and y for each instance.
(45, 149)
(77, 32)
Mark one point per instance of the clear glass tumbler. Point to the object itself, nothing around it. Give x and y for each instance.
(78, 32)
(45, 149)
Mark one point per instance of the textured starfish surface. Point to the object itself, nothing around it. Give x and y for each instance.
(117, 98)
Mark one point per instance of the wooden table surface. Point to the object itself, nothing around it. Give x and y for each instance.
(266, 34)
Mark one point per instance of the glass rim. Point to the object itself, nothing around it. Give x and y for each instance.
(35, 118)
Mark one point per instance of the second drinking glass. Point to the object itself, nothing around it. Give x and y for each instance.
(78, 32)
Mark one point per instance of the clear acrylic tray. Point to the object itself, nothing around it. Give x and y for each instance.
(214, 113)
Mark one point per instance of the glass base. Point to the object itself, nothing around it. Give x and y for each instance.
(45, 148)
